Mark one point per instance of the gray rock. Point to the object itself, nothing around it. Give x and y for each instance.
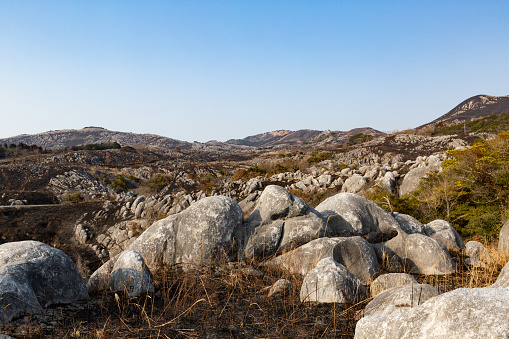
(98, 281)
(423, 255)
(388, 183)
(412, 179)
(354, 184)
(136, 202)
(390, 280)
(462, 314)
(443, 232)
(205, 231)
(331, 282)
(301, 230)
(503, 239)
(349, 214)
(131, 275)
(81, 234)
(304, 258)
(503, 278)
(34, 276)
(477, 254)
(264, 241)
(355, 253)
(202, 234)
(408, 223)
(297, 223)
(400, 299)
(276, 203)
(279, 287)
(324, 180)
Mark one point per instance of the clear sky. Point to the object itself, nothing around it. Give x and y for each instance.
(216, 70)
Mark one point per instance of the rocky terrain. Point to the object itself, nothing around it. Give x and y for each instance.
(265, 239)
(473, 108)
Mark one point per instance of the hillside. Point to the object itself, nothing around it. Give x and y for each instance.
(94, 135)
(473, 108)
(303, 137)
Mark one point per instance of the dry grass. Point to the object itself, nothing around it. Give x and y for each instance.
(226, 301)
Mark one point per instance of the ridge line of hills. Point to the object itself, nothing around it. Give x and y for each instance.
(471, 109)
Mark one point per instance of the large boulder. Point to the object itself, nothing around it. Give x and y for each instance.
(462, 313)
(412, 179)
(359, 257)
(331, 282)
(205, 231)
(350, 214)
(390, 280)
(201, 234)
(34, 276)
(444, 233)
(503, 239)
(355, 253)
(279, 222)
(423, 255)
(130, 275)
(305, 258)
(400, 299)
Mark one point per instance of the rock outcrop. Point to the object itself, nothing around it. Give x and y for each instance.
(331, 282)
(350, 214)
(462, 313)
(35, 276)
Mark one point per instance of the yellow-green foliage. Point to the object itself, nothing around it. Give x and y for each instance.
(472, 190)
(320, 157)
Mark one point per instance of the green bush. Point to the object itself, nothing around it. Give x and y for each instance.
(472, 191)
(320, 157)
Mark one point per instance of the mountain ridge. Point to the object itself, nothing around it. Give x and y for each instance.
(473, 108)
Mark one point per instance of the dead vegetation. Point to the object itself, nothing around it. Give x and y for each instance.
(226, 301)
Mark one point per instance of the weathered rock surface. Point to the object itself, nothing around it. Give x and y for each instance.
(131, 275)
(390, 280)
(355, 253)
(34, 276)
(411, 180)
(408, 223)
(331, 282)
(503, 239)
(205, 230)
(422, 254)
(477, 254)
(350, 214)
(462, 313)
(354, 184)
(201, 234)
(400, 299)
(503, 278)
(305, 258)
(280, 221)
(443, 232)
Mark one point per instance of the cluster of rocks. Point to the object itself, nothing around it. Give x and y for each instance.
(339, 247)
(213, 228)
(82, 182)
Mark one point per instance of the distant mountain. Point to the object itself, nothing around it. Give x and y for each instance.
(473, 108)
(94, 135)
(302, 137)
(276, 139)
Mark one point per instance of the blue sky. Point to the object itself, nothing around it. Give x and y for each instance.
(216, 70)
